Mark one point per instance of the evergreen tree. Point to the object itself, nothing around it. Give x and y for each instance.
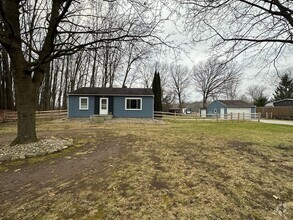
(157, 90)
(261, 101)
(285, 88)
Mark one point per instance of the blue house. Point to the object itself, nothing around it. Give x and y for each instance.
(119, 102)
(226, 107)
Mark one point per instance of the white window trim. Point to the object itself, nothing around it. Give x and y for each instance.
(87, 100)
(133, 99)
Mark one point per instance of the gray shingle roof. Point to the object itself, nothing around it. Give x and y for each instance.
(283, 100)
(236, 104)
(112, 91)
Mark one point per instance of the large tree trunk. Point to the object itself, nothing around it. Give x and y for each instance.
(25, 94)
(204, 102)
(26, 90)
(25, 97)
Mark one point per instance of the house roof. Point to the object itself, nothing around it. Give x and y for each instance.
(112, 91)
(236, 104)
(283, 100)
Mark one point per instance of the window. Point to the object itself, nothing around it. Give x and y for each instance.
(83, 103)
(215, 110)
(133, 103)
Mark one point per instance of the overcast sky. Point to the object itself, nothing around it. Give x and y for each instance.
(194, 53)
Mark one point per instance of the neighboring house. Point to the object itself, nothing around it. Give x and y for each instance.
(283, 102)
(222, 107)
(119, 102)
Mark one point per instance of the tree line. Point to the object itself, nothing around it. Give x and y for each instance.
(212, 79)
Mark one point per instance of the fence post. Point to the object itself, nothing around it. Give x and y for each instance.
(243, 116)
(258, 117)
(195, 116)
(231, 115)
(217, 117)
(175, 116)
(238, 117)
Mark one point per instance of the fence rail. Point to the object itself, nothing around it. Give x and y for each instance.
(197, 116)
(10, 116)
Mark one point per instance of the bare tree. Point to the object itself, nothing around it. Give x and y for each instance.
(256, 91)
(134, 53)
(231, 90)
(6, 91)
(179, 81)
(260, 28)
(36, 32)
(213, 77)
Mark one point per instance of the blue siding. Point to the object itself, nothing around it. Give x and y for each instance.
(216, 105)
(116, 104)
(73, 107)
(146, 112)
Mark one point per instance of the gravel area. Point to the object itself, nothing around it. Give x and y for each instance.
(39, 148)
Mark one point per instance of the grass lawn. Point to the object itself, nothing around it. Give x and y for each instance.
(186, 170)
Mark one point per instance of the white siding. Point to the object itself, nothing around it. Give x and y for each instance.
(235, 111)
(239, 110)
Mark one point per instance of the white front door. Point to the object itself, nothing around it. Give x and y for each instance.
(103, 106)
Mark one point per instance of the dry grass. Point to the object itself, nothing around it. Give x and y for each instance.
(185, 170)
(204, 171)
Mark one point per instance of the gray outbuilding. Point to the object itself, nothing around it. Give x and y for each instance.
(226, 107)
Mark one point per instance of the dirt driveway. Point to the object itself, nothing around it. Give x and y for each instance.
(278, 122)
(32, 185)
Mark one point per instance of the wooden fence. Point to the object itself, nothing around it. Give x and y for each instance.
(214, 117)
(280, 112)
(10, 116)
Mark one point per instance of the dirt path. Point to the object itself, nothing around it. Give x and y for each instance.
(30, 185)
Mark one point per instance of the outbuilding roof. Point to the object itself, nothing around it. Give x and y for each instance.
(283, 100)
(236, 104)
(112, 91)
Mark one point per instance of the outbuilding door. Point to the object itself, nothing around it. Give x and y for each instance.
(241, 111)
(222, 113)
(104, 106)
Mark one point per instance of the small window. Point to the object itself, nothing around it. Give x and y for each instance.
(83, 103)
(133, 103)
(215, 110)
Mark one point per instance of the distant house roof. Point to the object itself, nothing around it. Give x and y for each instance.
(236, 104)
(283, 100)
(112, 91)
